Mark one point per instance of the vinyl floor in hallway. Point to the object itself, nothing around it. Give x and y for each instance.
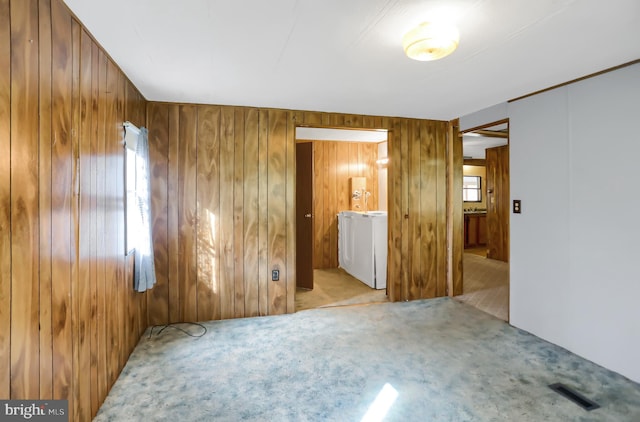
(486, 285)
(335, 287)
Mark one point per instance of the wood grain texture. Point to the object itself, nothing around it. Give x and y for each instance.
(440, 133)
(5, 199)
(187, 248)
(396, 213)
(292, 211)
(255, 173)
(24, 202)
(44, 193)
(225, 232)
(119, 210)
(58, 123)
(111, 137)
(319, 204)
(75, 218)
(334, 164)
(238, 215)
(455, 245)
(173, 217)
(101, 249)
(158, 155)
(404, 205)
(498, 203)
(208, 192)
(276, 231)
(62, 173)
(263, 215)
(93, 316)
(251, 211)
(416, 208)
(83, 370)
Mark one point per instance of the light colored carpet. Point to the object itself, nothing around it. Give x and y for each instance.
(445, 360)
(486, 285)
(336, 287)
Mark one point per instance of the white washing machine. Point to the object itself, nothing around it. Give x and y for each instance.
(362, 246)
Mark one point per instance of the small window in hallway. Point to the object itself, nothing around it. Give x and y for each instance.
(472, 189)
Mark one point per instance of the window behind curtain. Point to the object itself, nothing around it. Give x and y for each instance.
(132, 166)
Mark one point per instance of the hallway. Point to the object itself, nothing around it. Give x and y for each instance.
(486, 285)
(335, 287)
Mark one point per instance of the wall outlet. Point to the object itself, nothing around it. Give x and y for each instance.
(275, 275)
(517, 206)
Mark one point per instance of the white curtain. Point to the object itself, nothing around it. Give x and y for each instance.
(144, 269)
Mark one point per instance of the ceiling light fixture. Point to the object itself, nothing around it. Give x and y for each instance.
(430, 41)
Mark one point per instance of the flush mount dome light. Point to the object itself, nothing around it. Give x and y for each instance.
(430, 41)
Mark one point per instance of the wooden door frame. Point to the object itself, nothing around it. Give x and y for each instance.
(389, 131)
(455, 226)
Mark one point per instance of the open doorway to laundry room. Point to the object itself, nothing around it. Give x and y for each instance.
(486, 218)
(341, 178)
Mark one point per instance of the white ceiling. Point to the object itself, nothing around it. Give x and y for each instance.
(475, 147)
(346, 55)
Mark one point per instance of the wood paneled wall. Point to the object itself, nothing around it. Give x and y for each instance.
(417, 258)
(333, 164)
(69, 317)
(223, 208)
(222, 193)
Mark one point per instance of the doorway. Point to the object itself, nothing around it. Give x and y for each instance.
(486, 218)
(328, 161)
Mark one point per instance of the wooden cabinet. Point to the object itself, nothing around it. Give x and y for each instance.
(475, 230)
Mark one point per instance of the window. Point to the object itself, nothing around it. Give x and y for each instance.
(472, 189)
(132, 166)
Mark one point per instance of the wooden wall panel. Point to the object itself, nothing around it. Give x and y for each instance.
(173, 215)
(159, 156)
(251, 211)
(25, 345)
(395, 213)
(208, 192)
(263, 215)
(5, 199)
(238, 214)
(318, 205)
(187, 250)
(439, 132)
(416, 207)
(62, 173)
(101, 249)
(246, 177)
(291, 219)
(95, 120)
(226, 174)
(277, 232)
(455, 226)
(44, 79)
(86, 217)
(62, 104)
(334, 163)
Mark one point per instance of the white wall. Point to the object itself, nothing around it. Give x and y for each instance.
(575, 267)
(482, 117)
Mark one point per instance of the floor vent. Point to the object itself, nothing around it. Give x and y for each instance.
(574, 396)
